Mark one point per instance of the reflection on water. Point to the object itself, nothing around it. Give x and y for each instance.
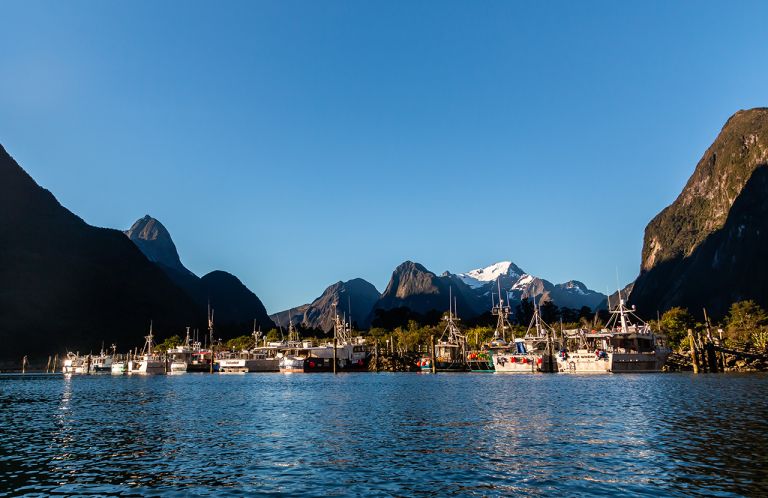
(385, 434)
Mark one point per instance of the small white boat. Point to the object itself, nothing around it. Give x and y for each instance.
(119, 366)
(147, 363)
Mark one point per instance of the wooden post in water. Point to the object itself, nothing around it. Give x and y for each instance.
(24, 364)
(165, 362)
(694, 356)
(432, 354)
(376, 354)
(210, 367)
(55, 362)
(334, 356)
(48, 365)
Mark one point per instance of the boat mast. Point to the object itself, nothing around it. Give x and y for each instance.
(501, 311)
(210, 324)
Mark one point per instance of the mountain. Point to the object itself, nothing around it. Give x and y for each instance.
(520, 285)
(506, 270)
(422, 292)
(67, 285)
(706, 249)
(295, 315)
(357, 293)
(235, 306)
(354, 298)
(155, 242)
(419, 290)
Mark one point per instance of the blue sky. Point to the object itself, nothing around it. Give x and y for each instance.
(296, 143)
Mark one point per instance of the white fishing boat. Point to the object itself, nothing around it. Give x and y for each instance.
(535, 352)
(103, 362)
(450, 351)
(183, 355)
(626, 345)
(119, 365)
(147, 363)
(76, 364)
(255, 359)
(293, 352)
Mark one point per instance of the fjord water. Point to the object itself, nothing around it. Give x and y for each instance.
(385, 434)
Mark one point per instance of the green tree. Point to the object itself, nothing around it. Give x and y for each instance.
(239, 343)
(169, 343)
(675, 323)
(273, 335)
(745, 318)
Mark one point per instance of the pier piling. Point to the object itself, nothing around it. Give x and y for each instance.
(334, 356)
(48, 365)
(694, 356)
(432, 353)
(376, 355)
(24, 363)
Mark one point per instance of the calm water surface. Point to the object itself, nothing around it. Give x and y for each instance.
(385, 434)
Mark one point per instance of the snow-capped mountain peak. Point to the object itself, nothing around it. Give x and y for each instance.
(481, 276)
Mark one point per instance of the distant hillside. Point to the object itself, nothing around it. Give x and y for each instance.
(707, 248)
(67, 285)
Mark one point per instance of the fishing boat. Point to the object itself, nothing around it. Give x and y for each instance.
(119, 365)
(626, 345)
(482, 360)
(293, 352)
(182, 355)
(535, 352)
(76, 364)
(103, 362)
(450, 351)
(256, 359)
(349, 353)
(147, 363)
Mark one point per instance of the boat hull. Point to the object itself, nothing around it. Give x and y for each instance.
(515, 363)
(249, 365)
(589, 363)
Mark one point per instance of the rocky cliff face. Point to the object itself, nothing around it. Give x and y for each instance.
(67, 285)
(155, 242)
(706, 248)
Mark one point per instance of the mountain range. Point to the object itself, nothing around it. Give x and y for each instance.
(67, 285)
(421, 292)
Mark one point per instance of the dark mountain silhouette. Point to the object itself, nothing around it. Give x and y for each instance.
(235, 306)
(707, 249)
(65, 284)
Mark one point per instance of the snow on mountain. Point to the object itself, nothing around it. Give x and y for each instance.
(481, 276)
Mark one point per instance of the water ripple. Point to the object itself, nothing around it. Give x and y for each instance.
(384, 435)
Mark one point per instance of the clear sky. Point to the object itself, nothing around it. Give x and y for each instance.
(298, 143)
